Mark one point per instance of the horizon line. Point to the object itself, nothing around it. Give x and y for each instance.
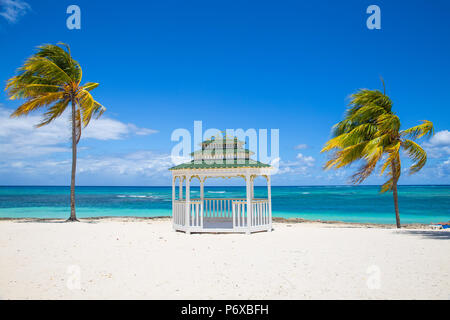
(159, 186)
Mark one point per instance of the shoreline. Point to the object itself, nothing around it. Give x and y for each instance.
(335, 223)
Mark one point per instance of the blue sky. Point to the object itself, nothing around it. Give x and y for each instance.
(161, 65)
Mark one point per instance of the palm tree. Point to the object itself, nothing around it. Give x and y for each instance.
(370, 133)
(50, 79)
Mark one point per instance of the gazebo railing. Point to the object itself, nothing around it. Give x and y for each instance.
(240, 213)
(196, 213)
(218, 208)
(221, 210)
(260, 212)
(179, 212)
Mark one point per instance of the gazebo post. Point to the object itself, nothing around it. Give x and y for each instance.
(180, 193)
(269, 199)
(188, 204)
(174, 178)
(249, 203)
(173, 189)
(202, 197)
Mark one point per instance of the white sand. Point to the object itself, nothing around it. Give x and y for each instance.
(146, 259)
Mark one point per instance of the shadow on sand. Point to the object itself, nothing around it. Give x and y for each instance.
(429, 234)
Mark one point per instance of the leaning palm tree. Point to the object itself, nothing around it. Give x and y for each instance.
(370, 133)
(50, 79)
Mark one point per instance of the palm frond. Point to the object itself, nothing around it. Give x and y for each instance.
(356, 135)
(393, 154)
(39, 102)
(416, 153)
(346, 156)
(342, 127)
(90, 86)
(387, 186)
(22, 91)
(54, 112)
(51, 78)
(46, 68)
(365, 97)
(388, 123)
(426, 128)
(89, 107)
(63, 59)
(367, 113)
(371, 158)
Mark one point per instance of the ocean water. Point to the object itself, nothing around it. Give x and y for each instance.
(418, 204)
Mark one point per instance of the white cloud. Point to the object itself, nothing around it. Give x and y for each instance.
(19, 138)
(292, 167)
(443, 169)
(11, 10)
(144, 163)
(141, 131)
(441, 138)
(110, 129)
(339, 175)
(306, 160)
(301, 166)
(141, 163)
(301, 146)
(439, 145)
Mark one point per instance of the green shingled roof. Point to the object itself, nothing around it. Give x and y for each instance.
(221, 151)
(222, 140)
(222, 164)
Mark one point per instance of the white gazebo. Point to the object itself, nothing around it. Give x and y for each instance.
(226, 158)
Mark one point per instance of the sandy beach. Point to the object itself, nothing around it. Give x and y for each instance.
(146, 259)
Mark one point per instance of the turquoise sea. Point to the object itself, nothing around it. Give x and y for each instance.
(418, 204)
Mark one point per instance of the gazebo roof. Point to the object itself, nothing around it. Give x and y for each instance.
(220, 151)
(226, 153)
(225, 139)
(223, 164)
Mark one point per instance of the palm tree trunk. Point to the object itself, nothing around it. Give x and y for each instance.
(73, 216)
(394, 192)
(397, 214)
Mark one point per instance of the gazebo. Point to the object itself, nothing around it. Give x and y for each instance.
(223, 157)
